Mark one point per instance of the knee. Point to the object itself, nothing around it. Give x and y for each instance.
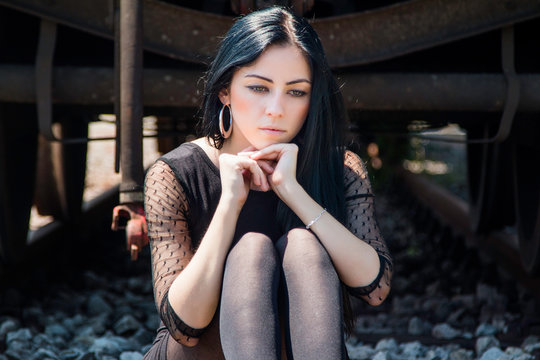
(253, 249)
(301, 247)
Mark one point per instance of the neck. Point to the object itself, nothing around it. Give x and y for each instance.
(230, 146)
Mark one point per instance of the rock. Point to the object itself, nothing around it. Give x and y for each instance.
(71, 324)
(131, 355)
(381, 355)
(143, 336)
(105, 346)
(152, 321)
(413, 350)
(57, 330)
(99, 324)
(461, 354)
(137, 284)
(126, 325)
(387, 345)
(360, 352)
(22, 335)
(530, 340)
(416, 326)
(516, 353)
(86, 356)
(98, 306)
(437, 353)
(444, 331)
(485, 330)
(532, 347)
(484, 343)
(492, 354)
(7, 326)
(70, 354)
(18, 350)
(43, 341)
(44, 354)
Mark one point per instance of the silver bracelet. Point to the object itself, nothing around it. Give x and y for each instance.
(315, 220)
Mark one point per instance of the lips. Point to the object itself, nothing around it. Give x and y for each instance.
(272, 130)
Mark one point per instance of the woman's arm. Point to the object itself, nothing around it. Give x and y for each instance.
(357, 262)
(194, 289)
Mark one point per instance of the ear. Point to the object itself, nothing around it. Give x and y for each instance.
(224, 96)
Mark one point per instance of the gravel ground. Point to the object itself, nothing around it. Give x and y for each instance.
(447, 302)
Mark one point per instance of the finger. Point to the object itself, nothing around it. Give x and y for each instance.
(250, 166)
(273, 151)
(246, 153)
(262, 181)
(266, 166)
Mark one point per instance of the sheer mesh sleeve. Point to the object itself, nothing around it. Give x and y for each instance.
(361, 221)
(166, 210)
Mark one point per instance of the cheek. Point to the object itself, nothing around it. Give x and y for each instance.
(243, 104)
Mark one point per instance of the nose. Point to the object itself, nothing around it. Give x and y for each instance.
(274, 107)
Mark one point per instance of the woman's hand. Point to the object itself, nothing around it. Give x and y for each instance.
(282, 158)
(238, 174)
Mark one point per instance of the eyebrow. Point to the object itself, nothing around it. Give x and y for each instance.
(271, 81)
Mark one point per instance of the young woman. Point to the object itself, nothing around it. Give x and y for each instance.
(261, 227)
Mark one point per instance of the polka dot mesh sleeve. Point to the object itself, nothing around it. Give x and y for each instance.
(361, 221)
(166, 209)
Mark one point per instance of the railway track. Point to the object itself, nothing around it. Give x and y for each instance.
(451, 211)
(105, 271)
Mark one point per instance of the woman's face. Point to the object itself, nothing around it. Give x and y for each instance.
(269, 98)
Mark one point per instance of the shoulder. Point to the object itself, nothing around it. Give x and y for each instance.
(185, 151)
(354, 164)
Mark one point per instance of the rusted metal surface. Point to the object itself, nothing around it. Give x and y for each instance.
(433, 92)
(454, 212)
(94, 86)
(414, 25)
(362, 91)
(349, 40)
(512, 85)
(131, 104)
(136, 229)
(43, 77)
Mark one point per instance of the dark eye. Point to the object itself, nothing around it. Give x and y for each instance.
(297, 93)
(258, 88)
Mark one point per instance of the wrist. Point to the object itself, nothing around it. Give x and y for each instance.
(288, 191)
(228, 204)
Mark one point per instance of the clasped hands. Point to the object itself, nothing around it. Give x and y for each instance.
(273, 167)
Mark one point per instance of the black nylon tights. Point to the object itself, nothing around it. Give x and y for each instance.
(295, 272)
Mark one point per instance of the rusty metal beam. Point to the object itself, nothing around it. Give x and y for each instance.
(414, 25)
(382, 92)
(444, 92)
(349, 40)
(131, 101)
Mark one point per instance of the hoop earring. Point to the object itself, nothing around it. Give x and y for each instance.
(225, 133)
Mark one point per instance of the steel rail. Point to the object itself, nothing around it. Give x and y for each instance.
(364, 91)
(349, 40)
(448, 209)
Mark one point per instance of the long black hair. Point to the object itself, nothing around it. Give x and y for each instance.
(321, 152)
(320, 156)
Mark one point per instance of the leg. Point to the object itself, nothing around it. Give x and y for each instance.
(249, 325)
(312, 299)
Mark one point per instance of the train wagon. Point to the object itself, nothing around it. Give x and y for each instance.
(403, 66)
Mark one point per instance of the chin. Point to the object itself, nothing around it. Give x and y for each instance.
(262, 144)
